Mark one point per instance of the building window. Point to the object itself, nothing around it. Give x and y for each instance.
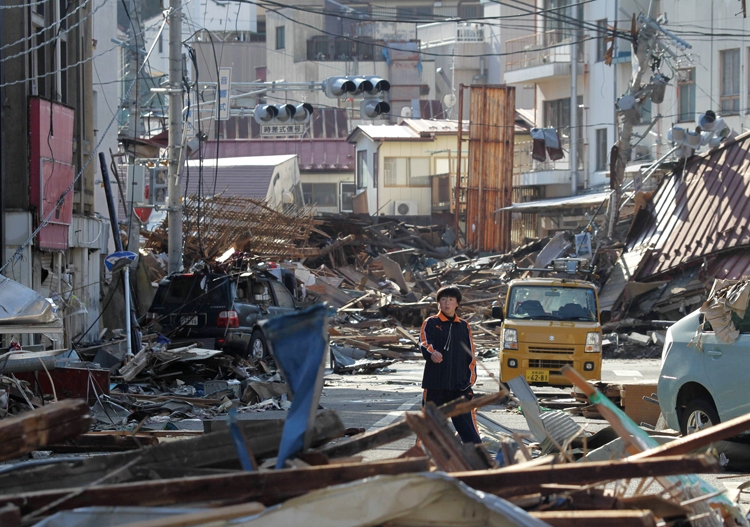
(729, 62)
(414, 13)
(601, 39)
(601, 149)
(348, 191)
(280, 37)
(686, 95)
(320, 194)
(470, 10)
(362, 169)
(646, 110)
(407, 171)
(557, 115)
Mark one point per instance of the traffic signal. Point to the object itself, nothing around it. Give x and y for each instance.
(282, 113)
(372, 108)
(368, 86)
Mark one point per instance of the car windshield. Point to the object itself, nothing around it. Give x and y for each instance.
(552, 303)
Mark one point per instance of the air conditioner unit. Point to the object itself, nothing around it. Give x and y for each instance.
(405, 208)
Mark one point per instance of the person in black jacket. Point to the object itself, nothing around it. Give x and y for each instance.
(450, 364)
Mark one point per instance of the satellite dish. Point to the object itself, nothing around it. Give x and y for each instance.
(406, 112)
(449, 100)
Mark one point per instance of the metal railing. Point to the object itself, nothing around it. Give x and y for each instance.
(448, 33)
(539, 48)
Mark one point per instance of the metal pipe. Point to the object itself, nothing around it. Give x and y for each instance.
(175, 135)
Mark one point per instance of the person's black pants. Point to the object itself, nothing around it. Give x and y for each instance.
(464, 423)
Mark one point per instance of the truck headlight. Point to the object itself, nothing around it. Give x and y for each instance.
(593, 343)
(510, 339)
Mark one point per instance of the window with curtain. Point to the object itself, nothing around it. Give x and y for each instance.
(686, 95)
(729, 62)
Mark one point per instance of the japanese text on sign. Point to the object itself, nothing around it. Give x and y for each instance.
(222, 99)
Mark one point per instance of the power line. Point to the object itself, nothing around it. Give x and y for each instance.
(18, 6)
(51, 26)
(60, 200)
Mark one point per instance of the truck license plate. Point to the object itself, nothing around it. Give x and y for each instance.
(537, 375)
(189, 321)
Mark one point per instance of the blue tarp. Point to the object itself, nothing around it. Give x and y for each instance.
(298, 342)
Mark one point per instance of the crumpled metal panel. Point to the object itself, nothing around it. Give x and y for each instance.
(698, 211)
(21, 305)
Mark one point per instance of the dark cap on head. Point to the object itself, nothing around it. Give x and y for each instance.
(449, 290)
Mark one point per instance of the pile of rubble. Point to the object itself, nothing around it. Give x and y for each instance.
(185, 478)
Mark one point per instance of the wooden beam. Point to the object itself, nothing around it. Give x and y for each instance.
(104, 443)
(214, 450)
(440, 441)
(206, 516)
(268, 487)
(394, 432)
(692, 442)
(621, 518)
(516, 479)
(51, 423)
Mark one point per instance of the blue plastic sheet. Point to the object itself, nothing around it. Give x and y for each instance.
(298, 342)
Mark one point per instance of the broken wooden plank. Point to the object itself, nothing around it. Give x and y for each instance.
(136, 365)
(620, 518)
(52, 423)
(440, 441)
(201, 517)
(214, 450)
(103, 442)
(268, 487)
(400, 430)
(705, 437)
(517, 479)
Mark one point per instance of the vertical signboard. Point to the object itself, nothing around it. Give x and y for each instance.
(51, 170)
(222, 94)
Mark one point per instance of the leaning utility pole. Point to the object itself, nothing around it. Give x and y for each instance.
(174, 189)
(645, 46)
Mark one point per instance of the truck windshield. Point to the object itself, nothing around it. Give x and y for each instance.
(552, 303)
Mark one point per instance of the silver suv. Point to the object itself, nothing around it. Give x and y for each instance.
(703, 380)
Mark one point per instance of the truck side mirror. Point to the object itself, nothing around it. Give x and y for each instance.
(497, 312)
(605, 316)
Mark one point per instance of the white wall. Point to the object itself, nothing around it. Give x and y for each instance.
(106, 99)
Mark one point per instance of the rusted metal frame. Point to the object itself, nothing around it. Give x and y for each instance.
(458, 165)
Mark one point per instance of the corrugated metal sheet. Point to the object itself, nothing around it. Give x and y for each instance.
(314, 154)
(247, 177)
(699, 211)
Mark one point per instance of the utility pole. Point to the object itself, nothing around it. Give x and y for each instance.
(646, 45)
(134, 124)
(174, 202)
(574, 103)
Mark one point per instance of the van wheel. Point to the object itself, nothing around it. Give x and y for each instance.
(698, 414)
(258, 348)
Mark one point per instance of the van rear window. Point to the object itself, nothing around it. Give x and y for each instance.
(186, 289)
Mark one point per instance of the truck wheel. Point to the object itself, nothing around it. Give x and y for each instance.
(698, 414)
(258, 347)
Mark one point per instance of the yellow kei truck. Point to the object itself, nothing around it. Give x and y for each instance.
(547, 323)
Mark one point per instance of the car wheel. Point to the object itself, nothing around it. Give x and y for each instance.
(698, 414)
(258, 348)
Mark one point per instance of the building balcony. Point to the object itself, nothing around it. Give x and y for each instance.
(528, 172)
(541, 56)
(324, 47)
